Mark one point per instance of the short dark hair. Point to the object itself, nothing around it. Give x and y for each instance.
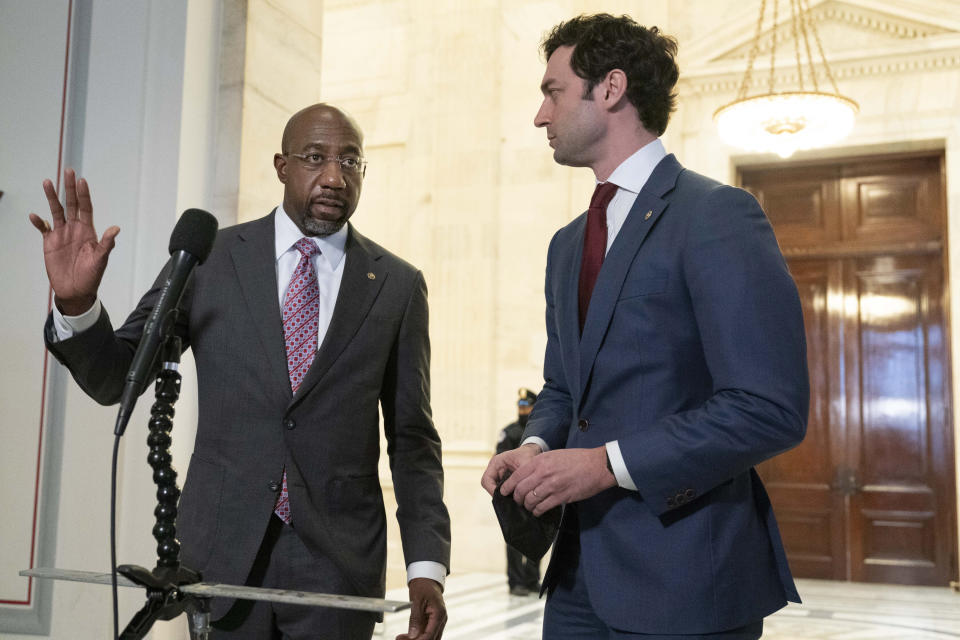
(603, 42)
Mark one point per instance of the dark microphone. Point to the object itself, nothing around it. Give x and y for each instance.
(190, 244)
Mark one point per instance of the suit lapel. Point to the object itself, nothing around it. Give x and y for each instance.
(568, 310)
(254, 259)
(646, 210)
(358, 290)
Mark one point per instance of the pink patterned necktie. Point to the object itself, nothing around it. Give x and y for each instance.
(301, 309)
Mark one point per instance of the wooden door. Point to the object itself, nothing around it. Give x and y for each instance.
(869, 495)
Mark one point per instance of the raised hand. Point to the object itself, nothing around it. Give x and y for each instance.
(74, 258)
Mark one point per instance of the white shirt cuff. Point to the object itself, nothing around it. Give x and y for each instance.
(427, 569)
(537, 441)
(69, 326)
(619, 466)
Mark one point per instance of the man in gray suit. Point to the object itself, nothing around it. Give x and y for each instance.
(282, 489)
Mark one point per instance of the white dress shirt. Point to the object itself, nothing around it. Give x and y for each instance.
(329, 267)
(630, 177)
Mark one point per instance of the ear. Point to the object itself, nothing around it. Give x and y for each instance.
(614, 88)
(280, 164)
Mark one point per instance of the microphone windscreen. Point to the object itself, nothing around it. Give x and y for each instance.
(194, 233)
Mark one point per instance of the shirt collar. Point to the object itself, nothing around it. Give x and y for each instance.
(287, 234)
(634, 172)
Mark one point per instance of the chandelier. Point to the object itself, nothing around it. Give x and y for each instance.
(782, 122)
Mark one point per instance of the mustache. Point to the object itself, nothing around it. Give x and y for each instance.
(328, 199)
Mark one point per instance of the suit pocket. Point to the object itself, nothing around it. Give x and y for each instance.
(354, 493)
(198, 514)
(646, 285)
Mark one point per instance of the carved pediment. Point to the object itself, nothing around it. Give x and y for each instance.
(857, 36)
(845, 26)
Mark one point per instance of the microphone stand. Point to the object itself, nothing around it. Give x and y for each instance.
(165, 600)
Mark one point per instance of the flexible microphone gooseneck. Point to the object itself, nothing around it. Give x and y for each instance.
(190, 244)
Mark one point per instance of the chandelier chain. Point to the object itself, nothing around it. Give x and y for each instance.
(754, 51)
(796, 42)
(823, 57)
(773, 45)
(807, 27)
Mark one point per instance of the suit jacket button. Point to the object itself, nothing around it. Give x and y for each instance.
(274, 486)
(689, 494)
(289, 423)
(583, 424)
(671, 502)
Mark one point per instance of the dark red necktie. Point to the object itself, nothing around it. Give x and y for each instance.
(594, 244)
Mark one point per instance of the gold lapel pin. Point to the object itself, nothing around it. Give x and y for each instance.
(371, 275)
(649, 213)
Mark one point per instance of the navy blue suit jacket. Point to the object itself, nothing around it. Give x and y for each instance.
(693, 358)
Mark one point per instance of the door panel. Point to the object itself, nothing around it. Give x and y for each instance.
(804, 206)
(892, 199)
(899, 529)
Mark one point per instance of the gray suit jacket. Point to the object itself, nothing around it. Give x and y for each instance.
(376, 351)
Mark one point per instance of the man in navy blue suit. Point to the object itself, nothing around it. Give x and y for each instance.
(675, 362)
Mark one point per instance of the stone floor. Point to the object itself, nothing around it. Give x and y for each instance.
(479, 606)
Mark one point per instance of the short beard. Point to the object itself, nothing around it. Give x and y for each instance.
(322, 227)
